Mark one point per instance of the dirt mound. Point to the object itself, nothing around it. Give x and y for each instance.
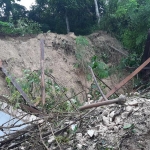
(20, 53)
(107, 47)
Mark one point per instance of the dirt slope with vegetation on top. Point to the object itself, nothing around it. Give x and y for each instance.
(20, 53)
(110, 127)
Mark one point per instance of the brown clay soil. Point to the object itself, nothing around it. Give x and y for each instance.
(20, 53)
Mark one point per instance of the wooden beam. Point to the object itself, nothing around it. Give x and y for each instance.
(42, 72)
(128, 78)
(117, 87)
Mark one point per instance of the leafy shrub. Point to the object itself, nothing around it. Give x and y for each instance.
(21, 27)
(31, 85)
(129, 21)
(100, 68)
(81, 44)
(131, 61)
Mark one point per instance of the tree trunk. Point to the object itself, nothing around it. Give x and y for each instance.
(67, 24)
(97, 11)
(146, 54)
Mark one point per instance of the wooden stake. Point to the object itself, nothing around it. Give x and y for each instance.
(42, 72)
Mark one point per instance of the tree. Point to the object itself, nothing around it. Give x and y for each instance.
(97, 11)
(11, 9)
(63, 16)
(128, 20)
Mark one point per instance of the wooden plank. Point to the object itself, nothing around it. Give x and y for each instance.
(0, 63)
(42, 72)
(120, 100)
(117, 87)
(128, 78)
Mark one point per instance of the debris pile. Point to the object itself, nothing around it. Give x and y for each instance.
(115, 127)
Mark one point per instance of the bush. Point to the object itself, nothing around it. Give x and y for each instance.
(21, 27)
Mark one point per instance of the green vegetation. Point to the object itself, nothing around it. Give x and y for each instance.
(31, 85)
(62, 139)
(80, 53)
(23, 26)
(128, 20)
(99, 68)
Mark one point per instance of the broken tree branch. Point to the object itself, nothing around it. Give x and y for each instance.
(42, 139)
(118, 50)
(105, 84)
(128, 78)
(97, 84)
(55, 138)
(120, 100)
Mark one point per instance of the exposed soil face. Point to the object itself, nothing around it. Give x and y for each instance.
(21, 53)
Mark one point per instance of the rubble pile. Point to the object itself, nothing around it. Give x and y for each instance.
(114, 127)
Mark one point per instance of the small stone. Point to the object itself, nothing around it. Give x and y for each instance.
(136, 109)
(110, 127)
(116, 128)
(112, 114)
(110, 119)
(129, 109)
(33, 118)
(105, 113)
(136, 93)
(65, 134)
(4, 106)
(137, 114)
(106, 121)
(79, 146)
(22, 148)
(40, 121)
(133, 103)
(96, 134)
(90, 133)
(89, 96)
(78, 136)
(112, 124)
(52, 139)
(124, 115)
(117, 120)
(122, 99)
(70, 142)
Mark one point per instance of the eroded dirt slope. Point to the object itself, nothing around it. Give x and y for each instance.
(21, 53)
